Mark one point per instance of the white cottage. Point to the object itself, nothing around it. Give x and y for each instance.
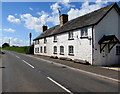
(93, 37)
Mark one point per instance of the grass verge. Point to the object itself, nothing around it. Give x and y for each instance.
(19, 49)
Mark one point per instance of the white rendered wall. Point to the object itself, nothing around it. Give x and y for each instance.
(82, 47)
(110, 25)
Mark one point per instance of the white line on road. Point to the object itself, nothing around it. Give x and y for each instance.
(28, 64)
(60, 85)
(105, 77)
(18, 57)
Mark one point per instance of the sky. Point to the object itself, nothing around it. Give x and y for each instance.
(21, 18)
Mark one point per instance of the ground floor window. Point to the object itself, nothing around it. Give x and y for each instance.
(61, 50)
(37, 50)
(41, 49)
(71, 50)
(45, 49)
(55, 49)
(117, 50)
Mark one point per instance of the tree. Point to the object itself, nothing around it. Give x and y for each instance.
(5, 45)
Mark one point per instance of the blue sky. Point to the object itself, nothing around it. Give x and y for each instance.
(21, 18)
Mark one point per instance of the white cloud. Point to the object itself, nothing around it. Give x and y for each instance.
(30, 8)
(55, 8)
(85, 8)
(8, 30)
(34, 23)
(66, 3)
(12, 19)
(14, 41)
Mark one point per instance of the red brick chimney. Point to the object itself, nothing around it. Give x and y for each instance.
(63, 19)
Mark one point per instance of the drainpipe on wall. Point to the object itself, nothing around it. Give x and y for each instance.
(92, 44)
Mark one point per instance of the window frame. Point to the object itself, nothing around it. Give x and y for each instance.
(55, 38)
(41, 51)
(45, 40)
(84, 32)
(37, 50)
(45, 49)
(36, 42)
(70, 35)
(61, 50)
(54, 49)
(71, 53)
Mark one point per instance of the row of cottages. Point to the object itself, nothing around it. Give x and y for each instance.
(93, 37)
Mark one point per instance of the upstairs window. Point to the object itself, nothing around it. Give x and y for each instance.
(55, 38)
(117, 50)
(55, 49)
(41, 49)
(45, 49)
(70, 36)
(71, 50)
(61, 50)
(84, 32)
(36, 41)
(45, 40)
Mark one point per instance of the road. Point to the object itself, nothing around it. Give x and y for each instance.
(23, 73)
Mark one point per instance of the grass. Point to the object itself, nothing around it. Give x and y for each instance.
(18, 49)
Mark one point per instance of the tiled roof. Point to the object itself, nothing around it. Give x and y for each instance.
(80, 22)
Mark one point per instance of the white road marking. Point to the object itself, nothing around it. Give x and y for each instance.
(28, 64)
(105, 77)
(18, 57)
(60, 85)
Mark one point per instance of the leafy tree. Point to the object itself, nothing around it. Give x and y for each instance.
(5, 45)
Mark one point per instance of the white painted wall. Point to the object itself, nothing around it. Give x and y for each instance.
(110, 25)
(82, 47)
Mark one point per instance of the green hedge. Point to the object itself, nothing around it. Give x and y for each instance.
(26, 49)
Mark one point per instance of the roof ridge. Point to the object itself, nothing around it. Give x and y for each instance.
(93, 11)
(85, 20)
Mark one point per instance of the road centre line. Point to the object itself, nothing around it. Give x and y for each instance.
(59, 85)
(18, 57)
(28, 64)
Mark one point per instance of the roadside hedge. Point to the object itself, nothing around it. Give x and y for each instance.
(25, 49)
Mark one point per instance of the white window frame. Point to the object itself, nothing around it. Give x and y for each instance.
(55, 38)
(41, 49)
(45, 49)
(84, 32)
(61, 50)
(55, 49)
(71, 50)
(70, 35)
(36, 41)
(37, 50)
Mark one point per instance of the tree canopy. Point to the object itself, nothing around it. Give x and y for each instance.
(5, 45)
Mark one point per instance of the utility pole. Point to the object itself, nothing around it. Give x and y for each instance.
(30, 36)
(9, 42)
